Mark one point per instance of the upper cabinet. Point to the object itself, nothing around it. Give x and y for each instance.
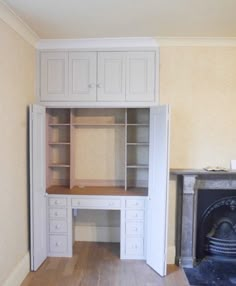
(98, 76)
(54, 76)
(82, 76)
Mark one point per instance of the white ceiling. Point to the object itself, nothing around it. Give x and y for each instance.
(60, 19)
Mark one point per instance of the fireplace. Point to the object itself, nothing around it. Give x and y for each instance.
(206, 216)
(216, 224)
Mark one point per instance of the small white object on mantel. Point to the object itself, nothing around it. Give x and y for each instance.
(233, 164)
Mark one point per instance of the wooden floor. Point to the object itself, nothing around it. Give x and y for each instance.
(98, 264)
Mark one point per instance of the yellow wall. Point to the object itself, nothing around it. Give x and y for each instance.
(199, 83)
(17, 77)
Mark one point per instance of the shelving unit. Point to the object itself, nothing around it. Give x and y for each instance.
(137, 147)
(98, 147)
(58, 147)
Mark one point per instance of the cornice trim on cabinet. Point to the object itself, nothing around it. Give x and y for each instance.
(97, 43)
(16, 23)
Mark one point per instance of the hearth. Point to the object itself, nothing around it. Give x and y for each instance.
(205, 216)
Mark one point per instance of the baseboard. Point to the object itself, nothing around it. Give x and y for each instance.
(171, 254)
(19, 272)
(95, 233)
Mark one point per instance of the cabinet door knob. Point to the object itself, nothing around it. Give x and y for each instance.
(91, 85)
(99, 85)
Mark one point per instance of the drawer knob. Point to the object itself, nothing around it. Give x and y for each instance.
(56, 213)
(56, 202)
(58, 243)
(58, 226)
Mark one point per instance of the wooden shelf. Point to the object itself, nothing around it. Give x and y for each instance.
(137, 144)
(59, 143)
(97, 124)
(137, 166)
(93, 191)
(59, 166)
(58, 124)
(137, 124)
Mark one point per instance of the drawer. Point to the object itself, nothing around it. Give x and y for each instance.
(135, 204)
(134, 246)
(96, 203)
(57, 213)
(134, 228)
(57, 243)
(57, 202)
(134, 214)
(59, 226)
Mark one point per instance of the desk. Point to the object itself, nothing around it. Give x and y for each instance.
(132, 222)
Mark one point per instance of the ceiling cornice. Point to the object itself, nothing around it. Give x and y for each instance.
(12, 20)
(196, 41)
(136, 42)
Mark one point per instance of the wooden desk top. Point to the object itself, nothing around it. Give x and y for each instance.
(97, 191)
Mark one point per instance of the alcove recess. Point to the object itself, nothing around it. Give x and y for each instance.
(98, 148)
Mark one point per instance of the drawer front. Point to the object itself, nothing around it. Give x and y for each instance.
(57, 243)
(134, 228)
(57, 202)
(135, 204)
(57, 213)
(96, 203)
(59, 226)
(134, 246)
(135, 214)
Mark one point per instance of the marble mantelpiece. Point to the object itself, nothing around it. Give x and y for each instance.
(189, 183)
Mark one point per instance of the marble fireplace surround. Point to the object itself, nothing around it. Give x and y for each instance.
(189, 183)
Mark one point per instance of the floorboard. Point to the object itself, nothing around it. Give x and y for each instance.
(98, 264)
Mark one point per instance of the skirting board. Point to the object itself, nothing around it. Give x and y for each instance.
(19, 272)
(95, 233)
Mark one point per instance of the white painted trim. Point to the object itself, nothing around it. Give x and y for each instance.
(19, 273)
(8, 16)
(171, 254)
(97, 43)
(196, 41)
(133, 43)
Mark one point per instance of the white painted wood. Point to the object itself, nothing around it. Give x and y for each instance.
(137, 43)
(54, 76)
(111, 76)
(158, 189)
(140, 76)
(37, 186)
(82, 76)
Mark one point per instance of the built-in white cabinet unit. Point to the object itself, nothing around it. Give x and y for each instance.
(111, 76)
(100, 158)
(54, 76)
(98, 76)
(82, 76)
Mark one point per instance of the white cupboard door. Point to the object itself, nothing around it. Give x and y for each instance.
(111, 76)
(140, 75)
(37, 186)
(82, 76)
(158, 189)
(54, 76)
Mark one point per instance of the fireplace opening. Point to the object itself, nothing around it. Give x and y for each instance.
(216, 224)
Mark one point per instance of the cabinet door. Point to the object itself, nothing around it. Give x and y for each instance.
(82, 76)
(37, 186)
(54, 76)
(158, 189)
(140, 76)
(111, 76)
